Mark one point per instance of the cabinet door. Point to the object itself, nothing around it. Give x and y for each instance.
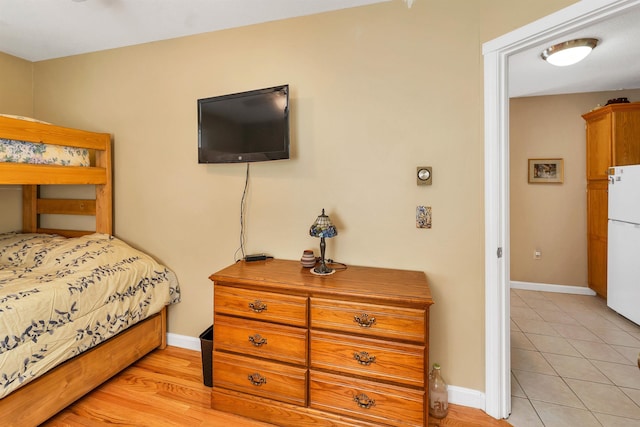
(597, 218)
(626, 138)
(598, 147)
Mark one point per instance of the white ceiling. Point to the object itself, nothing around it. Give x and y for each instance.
(613, 65)
(44, 29)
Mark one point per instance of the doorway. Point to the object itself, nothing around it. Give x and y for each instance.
(496, 109)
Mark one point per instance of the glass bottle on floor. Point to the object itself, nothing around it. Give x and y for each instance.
(438, 395)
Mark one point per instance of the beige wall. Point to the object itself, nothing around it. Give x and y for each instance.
(16, 97)
(551, 217)
(375, 92)
(16, 86)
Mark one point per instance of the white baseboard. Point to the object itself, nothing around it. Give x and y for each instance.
(546, 287)
(457, 395)
(466, 397)
(183, 341)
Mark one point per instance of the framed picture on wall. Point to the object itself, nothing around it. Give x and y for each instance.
(546, 171)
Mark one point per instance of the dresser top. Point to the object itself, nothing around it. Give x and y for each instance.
(364, 283)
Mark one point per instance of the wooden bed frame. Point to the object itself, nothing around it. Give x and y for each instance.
(32, 176)
(42, 398)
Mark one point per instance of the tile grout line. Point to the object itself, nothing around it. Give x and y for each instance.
(589, 309)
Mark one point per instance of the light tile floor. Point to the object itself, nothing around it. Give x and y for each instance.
(573, 362)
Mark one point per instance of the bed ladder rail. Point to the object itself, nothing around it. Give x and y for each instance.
(33, 206)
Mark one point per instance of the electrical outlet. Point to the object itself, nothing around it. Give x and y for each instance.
(537, 254)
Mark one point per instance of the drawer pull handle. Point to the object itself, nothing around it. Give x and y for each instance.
(364, 320)
(257, 379)
(258, 306)
(364, 358)
(257, 340)
(364, 401)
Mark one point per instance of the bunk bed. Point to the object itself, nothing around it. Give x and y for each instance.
(37, 398)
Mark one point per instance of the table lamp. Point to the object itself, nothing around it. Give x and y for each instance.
(322, 228)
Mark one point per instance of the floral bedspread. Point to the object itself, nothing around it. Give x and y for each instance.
(38, 153)
(60, 297)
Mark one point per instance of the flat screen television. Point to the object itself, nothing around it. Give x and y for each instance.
(244, 127)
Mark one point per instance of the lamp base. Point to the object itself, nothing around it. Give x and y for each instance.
(318, 273)
(322, 269)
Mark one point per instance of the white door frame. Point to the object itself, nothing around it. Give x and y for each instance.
(496, 169)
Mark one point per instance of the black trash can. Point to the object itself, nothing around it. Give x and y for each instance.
(206, 348)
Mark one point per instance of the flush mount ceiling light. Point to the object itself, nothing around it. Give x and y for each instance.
(569, 52)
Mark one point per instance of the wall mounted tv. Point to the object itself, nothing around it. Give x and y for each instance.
(244, 127)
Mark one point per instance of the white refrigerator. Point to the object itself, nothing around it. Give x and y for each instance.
(623, 254)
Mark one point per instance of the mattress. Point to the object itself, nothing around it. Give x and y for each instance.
(14, 151)
(61, 296)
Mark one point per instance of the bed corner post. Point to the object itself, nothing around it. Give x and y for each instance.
(163, 328)
(104, 192)
(30, 208)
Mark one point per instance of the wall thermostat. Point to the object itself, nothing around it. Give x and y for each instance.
(424, 175)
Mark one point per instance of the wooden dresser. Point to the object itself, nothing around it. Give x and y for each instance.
(295, 349)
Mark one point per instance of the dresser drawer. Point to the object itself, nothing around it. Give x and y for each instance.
(374, 359)
(271, 380)
(367, 400)
(405, 324)
(258, 305)
(266, 340)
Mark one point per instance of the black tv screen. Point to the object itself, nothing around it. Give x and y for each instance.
(243, 127)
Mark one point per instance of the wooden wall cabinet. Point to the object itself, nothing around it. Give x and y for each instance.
(295, 349)
(613, 139)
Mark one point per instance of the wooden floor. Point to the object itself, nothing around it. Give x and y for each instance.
(165, 389)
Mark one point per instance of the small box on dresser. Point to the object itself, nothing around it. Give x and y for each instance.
(294, 349)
